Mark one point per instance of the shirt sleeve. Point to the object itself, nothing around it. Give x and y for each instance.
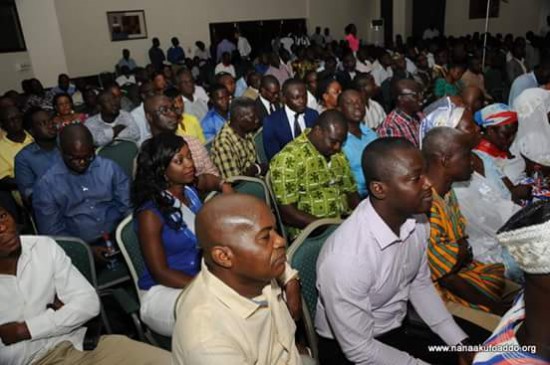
(102, 136)
(131, 132)
(348, 182)
(203, 163)
(24, 177)
(48, 214)
(121, 189)
(349, 312)
(216, 351)
(224, 157)
(208, 128)
(80, 299)
(284, 178)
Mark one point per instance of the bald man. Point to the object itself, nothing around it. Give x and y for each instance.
(404, 120)
(81, 195)
(234, 308)
(474, 98)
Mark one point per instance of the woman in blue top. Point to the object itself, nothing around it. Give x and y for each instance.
(165, 204)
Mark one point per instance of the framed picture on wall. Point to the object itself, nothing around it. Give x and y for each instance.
(126, 25)
(478, 9)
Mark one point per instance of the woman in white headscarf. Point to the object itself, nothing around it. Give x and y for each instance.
(532, 143)
(481, 203)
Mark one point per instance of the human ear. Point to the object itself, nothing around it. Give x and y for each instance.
(378, 190)
(222, 256)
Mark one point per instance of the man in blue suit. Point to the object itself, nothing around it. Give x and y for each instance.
(287, 123)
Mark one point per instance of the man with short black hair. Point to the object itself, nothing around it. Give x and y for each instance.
(126, 60)
(253, 80)
(176, 54)
(156, 55)
(218, 114)
(540, 76)
(194, 97)
(287, 123)
(269, 96)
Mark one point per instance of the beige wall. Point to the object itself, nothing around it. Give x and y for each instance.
(402, 18)
(516, 17)
(89, 49)
(10, 76)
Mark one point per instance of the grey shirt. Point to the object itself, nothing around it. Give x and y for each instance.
(103, 132)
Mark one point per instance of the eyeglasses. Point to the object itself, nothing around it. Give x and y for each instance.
(165, 110)
(76, 159)
(414, 94)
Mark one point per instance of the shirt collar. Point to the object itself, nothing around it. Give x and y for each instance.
(382, 233)
(243, 306)
(27, 246)
(291, 113)
(28, 139)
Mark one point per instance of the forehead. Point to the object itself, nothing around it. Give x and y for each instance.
(220, 93)
(351, 96)
(295, 89)
(40, 116)
(404, 161)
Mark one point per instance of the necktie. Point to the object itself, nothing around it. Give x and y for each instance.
(271, 108)
(297, 128)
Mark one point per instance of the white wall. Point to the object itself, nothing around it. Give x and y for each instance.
(516, 17)
(10, 77)
(402, 18)
(89, 49)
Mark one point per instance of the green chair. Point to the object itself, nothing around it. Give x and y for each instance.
(276, 211)
(128, 242)
(260, 150)
(123, 153)
(302, 255)
(81, 256)
(251, 185)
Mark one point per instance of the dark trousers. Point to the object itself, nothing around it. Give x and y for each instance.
(411, 339)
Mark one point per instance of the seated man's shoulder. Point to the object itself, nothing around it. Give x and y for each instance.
(51, 175)
(26, 152)
(41, 246)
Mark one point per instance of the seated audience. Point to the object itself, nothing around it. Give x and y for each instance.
(538, 77)
(311, 177)
(64, 113)
(218, 114)
(351, 104)
(253, 80)
(456, 275)
(449, 85)
(235, 307)
(404, 120)
(269, 97)
(126, 60)
(225, 65)
(363, 63)
(189, 125)
(287, 123)
(38, 97)
(276, 69)
(346, 76)
(311, 81)
(499, 127)
(194, 97)
(233, 149)
(473, 76)
(441, 60)
(126, 78)
(227, 80)
(111, 122)
(381, 69)
(374, 264)
(516, 67)
(146, 90)
(53, 302)
(374, 113)
(165, 203)
(90, 106)
(525, 324)
(81, 195)
(328, 92)
(64, 86)
(36, 158)
(13, 141)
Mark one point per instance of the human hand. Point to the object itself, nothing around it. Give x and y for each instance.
(14, 332)
(466, 358)
(99, 253)
(294, 299)
(117, 129)
(227, 188)
(56, 305)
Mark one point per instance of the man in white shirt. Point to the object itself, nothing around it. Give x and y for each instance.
(243, 46)
(381, 69)
(145, 90)
(194, 97)
(375, 263)
(44, 303)
(235, 308)
(375, 114)
(225, 65)
(431, 32)
(111, 122)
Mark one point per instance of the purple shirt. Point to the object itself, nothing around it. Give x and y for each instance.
(365, 277)
(224, 46)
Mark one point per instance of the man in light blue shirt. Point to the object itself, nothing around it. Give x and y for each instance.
(218, 114)
(540, 76)
(81, 195)
(352, 106)
(35, 159)
(224, 46)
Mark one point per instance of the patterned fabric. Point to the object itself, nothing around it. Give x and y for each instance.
(300, 175)
(203, 163)
(231, 153)
(447, 115)
(447, 227)
(399, 124)
(505, 335)
(495, 115)
(443, 88)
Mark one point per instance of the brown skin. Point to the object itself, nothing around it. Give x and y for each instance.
(311, 81)
(65, 112)
(220, 102)
(468, 126)
(352, 106)
(229, 82)
(163, 117)
(330, 97)
(271, 92)
(407, 102)
(473, 98)
(327, 142)
(186, 85)
(295, 97)
(243, 122)
(242, 248)
(179, 173)
(454, 165)
(109, 107)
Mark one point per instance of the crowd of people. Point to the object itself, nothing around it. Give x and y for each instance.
(433, 153)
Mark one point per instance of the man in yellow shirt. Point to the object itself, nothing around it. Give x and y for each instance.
(189, 125)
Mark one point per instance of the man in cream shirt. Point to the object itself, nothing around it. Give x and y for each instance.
(234, 311)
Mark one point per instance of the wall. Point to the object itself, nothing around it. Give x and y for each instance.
(402, 18)
(89, 49)
(516, 17)
(9, 76)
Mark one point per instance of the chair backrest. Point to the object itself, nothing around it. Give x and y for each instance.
(303, 253)
(280, 224)
(81, 256)
(251, 185)
(128, 243)
(260, 151)
(123, 153)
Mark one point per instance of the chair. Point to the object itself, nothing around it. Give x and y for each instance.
(259, 142)
(280, 224)
(131, 251)
(302, 255)
(251, 185)
(82, 258)
(123, 153)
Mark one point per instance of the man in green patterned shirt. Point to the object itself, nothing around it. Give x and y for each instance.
(233, 150)
(311, 177)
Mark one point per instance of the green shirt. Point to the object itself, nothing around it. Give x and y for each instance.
(300, 175)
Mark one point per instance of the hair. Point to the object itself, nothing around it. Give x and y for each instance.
(323, 85)
(218, 78)
(374, 161)
(154, 158)
(29, 114)
(268, 80)
(330, 118)
(438, 141)
(358, 78)
(348, 28)
(184, 71)
(215, 88)
(61, 95)
(240, 103)
(291, 82)
(73, 133)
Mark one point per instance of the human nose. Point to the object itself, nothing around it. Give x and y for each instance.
(279, 241)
